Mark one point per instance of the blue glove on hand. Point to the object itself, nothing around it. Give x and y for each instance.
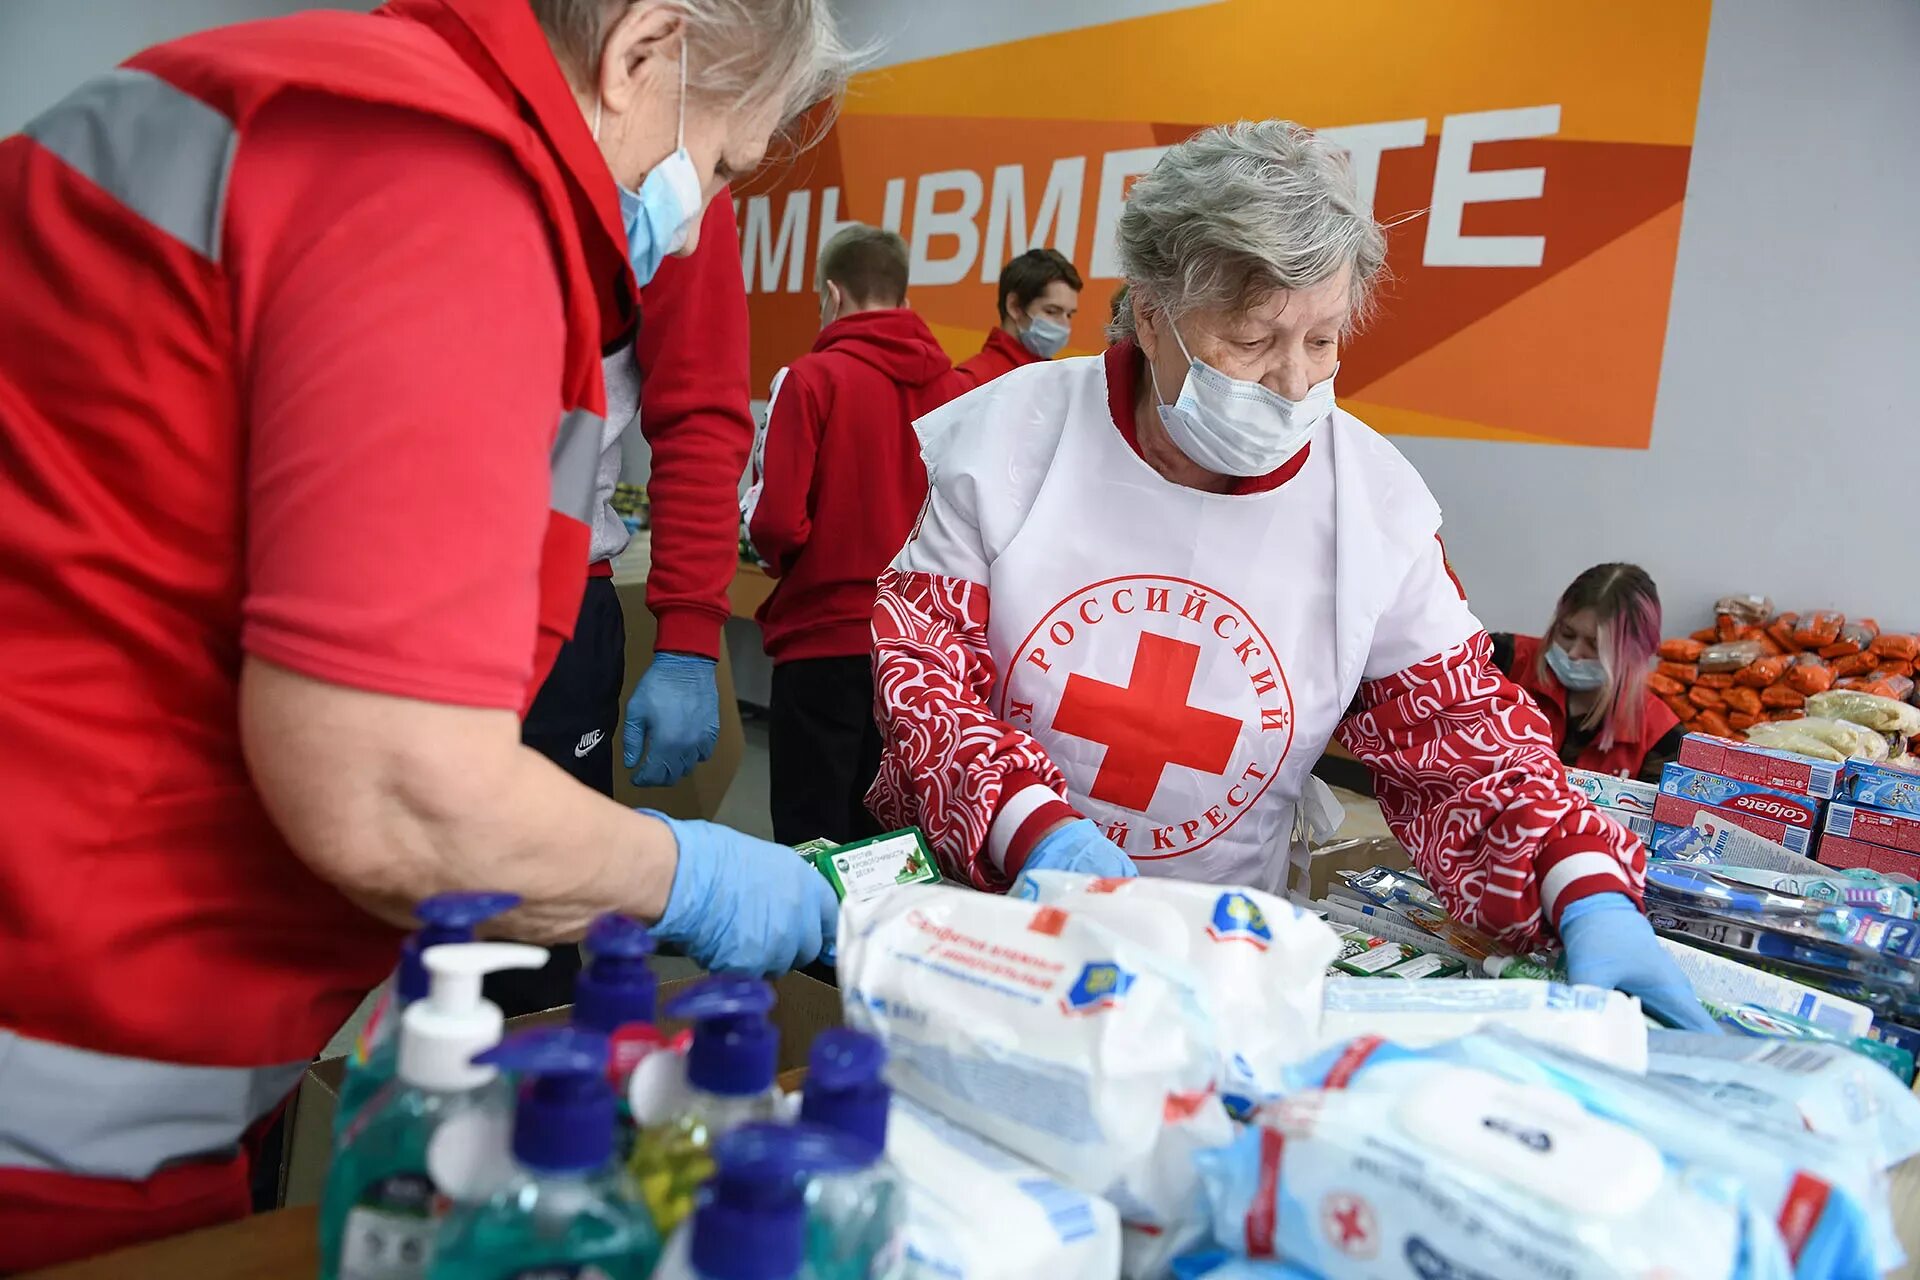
(1079, 846)
(744, 904)
(1610, 944)
(673, 717)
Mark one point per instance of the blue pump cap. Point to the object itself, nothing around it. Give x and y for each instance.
(445, 917)
(617, 985)
(734, 1046)
(845, 1091)
(565, 1116)
(751, 1220)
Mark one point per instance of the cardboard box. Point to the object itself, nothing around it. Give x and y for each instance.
(1882, 786)
(1888, 830)
(803, 1008)
(1844, 854)
(1742, 797)
(1763, 766)
(1609, 792)
(1678, 811)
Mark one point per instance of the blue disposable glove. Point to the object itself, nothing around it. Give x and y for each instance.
(1610, 944)
(673, 717)
(1079, 846)
(744, 904)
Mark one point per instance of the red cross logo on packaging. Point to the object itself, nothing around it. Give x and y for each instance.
(1163, 701)
(1349, 1225)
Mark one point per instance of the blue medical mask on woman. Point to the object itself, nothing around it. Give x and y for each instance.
(661, 215)
(1044, 336)
(1235, 427)
(1580, 675)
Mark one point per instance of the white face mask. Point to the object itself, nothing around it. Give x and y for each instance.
(1238, 428)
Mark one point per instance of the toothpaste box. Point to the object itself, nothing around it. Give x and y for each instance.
(1721, 792)
(1844, 854)
(1638, 822)
(1882, 786)
(1763, 766)
(1888, 830)
(1757, 814)
(1610, 792)
(865, 868)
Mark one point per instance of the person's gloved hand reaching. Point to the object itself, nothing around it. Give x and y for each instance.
(1080, 846)
(744, 904)
(1610, 944)
(673, 719)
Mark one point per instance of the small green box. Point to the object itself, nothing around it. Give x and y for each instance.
(812, 849)
(859, 870)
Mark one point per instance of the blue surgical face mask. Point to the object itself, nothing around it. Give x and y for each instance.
(1580, 675)
(1234, 427)
(661, 215)
(1044, 336)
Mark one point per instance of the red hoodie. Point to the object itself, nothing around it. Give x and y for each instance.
(1000, 353)
(837, 478)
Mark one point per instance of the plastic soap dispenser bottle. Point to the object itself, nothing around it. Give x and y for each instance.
(615, 995)
(856, 1218)
(730, 1069)
(381, 1207)
(751, 1219)
(444, 918)
(563, 1216)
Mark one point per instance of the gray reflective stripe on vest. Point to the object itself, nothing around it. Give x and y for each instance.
(575, 465)
(99, 1115)
(162, 153)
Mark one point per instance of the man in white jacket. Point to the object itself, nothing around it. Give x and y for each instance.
(1149, 587)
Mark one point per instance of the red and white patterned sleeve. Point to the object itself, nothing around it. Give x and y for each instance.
(1466, 774)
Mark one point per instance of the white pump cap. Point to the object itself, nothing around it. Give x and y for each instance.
(440, 1034)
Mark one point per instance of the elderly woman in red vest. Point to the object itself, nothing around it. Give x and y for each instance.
(1589, 674)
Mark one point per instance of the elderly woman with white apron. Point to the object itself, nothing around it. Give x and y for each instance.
(1149, 588)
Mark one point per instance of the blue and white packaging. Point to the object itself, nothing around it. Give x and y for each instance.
(1882, 786)
(1403, 1164)
(1625, 794)
(1639, 825)
(1260, 960)
(1590, 1020)
(1042, 1030)
(1828, 1088)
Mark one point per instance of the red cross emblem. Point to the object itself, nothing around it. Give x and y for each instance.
(1147, 724)
(1349, 1225)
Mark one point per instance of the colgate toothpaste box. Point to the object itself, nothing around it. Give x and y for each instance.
(1785, 820)
(1742, 797)
(1882, 786)
(1844, 854)
(1762, 766)
(1888, 830)
(1609, 792)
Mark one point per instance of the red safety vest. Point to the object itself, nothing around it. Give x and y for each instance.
(1624, 758)
(168, 966)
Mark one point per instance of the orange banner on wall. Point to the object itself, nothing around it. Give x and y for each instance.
(1530, 158)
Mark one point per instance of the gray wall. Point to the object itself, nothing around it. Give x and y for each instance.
(1788, 422)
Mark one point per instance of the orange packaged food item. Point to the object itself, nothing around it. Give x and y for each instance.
(1821, 627)
(1782, 697)
(1680, 707)
(1741, 723)
(1666, 686)
(1706, 699)
(1716, 680)
(1770, 646)
(1894, 669)
(1810, 677)
(1684, 672)
(1899, 648)
(1745, 702)
(1726, 627)
(1682, 650)
(1781, 633)
(1707, 635)
(1714, 723)
(1840, 649)
(1762, 672)
(1857, 665)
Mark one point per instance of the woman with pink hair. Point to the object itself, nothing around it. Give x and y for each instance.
(1589, 674)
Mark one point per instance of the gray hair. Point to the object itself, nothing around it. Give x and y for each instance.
(1241, 211)
(785, 52)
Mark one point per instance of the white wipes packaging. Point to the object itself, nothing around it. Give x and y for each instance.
(1046, 1032)
(976, 1212)
(1601, 1024)
(1260, 960)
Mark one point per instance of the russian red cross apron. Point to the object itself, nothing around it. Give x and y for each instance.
(1173, 651)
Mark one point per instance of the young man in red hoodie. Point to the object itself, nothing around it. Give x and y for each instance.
(1039, 296)
(837, 484)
